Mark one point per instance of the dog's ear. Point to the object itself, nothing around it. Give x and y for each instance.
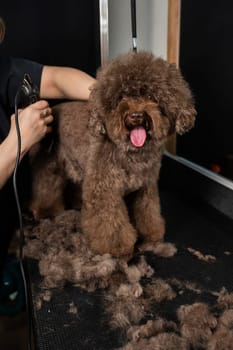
(176, 101)
(185, 121)
(186, 112)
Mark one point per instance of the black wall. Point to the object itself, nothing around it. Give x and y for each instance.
(53, 32)
(206, 60)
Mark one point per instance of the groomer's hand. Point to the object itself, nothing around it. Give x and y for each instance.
(34, 123)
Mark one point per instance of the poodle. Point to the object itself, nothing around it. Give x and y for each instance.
(108, 152)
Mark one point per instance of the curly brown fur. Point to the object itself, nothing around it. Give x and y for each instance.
(150, 328)
(159, 291)
(197, 324)
(163, 249)
(64, 255)
(225, 299)
(163, 341)
(111, 147)
(131, 302)
(222, 339)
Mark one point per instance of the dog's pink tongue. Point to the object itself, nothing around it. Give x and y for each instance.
(138, 136)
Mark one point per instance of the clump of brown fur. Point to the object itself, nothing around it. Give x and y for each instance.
(130, 303)
(225, 299)
(111, 147)
(64, 256)
(149, 329)
(197, 324)
(222, 339)
(162, 341)
(162, 249)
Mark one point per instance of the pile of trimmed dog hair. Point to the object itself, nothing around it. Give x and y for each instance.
(131, 289)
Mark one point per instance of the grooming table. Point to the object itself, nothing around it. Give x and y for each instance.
(191, 222)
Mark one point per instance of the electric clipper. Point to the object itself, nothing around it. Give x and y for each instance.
(29, 92)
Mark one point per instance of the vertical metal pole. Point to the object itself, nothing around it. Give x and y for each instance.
(104, 30)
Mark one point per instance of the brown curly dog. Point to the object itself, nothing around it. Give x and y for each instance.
(111, 148)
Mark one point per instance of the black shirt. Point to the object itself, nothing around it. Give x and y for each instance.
(12, 71)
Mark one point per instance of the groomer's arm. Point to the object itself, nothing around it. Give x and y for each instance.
(65, 82)
(8, 151)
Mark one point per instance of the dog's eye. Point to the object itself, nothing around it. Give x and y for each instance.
(150, 97)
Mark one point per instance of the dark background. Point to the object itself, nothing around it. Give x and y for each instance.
(53, 32)
(206, 60)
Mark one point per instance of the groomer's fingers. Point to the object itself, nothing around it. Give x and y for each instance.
(48, 119)
(41, 104)
(46, 112)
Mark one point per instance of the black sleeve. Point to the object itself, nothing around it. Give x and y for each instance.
(18, 67)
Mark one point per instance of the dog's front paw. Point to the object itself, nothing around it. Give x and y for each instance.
(116, 245)
(106, 225)
(112, 239)
(153, 232)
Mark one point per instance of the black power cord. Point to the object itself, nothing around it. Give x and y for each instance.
(26, 94)
(134, 24)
